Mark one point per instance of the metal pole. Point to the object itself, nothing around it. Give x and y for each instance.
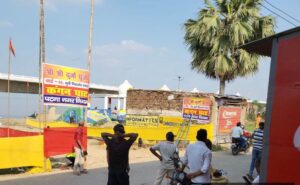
(90, 49)
(8, 93)
(179, 80)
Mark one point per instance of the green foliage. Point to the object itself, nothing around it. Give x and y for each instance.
(260, 107)
(220, 28)
(250, 126)
(256, 108)
(251, 116)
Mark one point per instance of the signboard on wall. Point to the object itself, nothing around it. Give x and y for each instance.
(142, 121)
(197, 109)
(228, 117)
(65, 86)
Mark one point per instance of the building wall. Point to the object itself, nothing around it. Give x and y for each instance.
(169, 103)
(155, 102)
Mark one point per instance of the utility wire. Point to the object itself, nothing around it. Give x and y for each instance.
(278, 15)
(297, 20)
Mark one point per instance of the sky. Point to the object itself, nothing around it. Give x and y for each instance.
(136, 40)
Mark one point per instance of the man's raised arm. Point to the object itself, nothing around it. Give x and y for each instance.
(106, 136)
(132, 136)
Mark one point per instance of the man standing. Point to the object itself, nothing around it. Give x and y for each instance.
(167, 150)
(257, 137)
(236, 135)
(198, 158)
(79, 164)
(117, 154)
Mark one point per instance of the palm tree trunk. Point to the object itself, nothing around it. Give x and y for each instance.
(222, 87)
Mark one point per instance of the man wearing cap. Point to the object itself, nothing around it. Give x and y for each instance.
(118, 145)
(79, 164)
(166, 149)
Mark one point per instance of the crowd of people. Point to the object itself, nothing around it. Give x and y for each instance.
(197, 157)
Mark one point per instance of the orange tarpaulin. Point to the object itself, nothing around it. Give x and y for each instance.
(60, 140)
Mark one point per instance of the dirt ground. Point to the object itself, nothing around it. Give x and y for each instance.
(97, 154)
(143, 166)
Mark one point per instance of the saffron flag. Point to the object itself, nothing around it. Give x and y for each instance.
(11, 47)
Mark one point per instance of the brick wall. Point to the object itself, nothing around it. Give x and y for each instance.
(156, 102)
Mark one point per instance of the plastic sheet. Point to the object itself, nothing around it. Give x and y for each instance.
(21, 151)
(8, 132)
(60, 140)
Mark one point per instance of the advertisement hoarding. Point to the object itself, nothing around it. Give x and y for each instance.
(65, 86)
(198, 109)
(228, 117)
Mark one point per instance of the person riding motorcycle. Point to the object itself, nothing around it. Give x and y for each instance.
(237, 135)
(246, 134)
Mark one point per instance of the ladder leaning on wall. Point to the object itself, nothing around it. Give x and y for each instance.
(183, 132)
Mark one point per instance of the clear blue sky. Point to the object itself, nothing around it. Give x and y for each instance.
(138, 40)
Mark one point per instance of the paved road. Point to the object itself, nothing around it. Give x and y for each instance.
(141, 174)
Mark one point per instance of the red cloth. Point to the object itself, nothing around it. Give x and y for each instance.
(8, 132)
(59, 141)
(246, 134)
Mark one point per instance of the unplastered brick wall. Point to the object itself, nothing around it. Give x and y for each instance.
(157, 102)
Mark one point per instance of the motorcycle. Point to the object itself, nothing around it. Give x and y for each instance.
(236, 146)
(178, 177)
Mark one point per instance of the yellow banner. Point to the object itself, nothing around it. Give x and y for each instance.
(21, 151)
(142, 121)
(156, 134)
(171, 120)
(36, 124)
(51, 71)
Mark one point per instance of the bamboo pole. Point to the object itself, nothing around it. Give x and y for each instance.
(90, 49)
(8, 92)
(90, 36)
(40, 66)
(41, 61)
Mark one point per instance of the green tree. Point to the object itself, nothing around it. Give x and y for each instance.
(213, 38)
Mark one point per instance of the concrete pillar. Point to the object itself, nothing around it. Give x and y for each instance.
(105, 102)
(109, 103)
(119, 103)
(124, 104)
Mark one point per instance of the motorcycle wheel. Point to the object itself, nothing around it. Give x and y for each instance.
(235, 151)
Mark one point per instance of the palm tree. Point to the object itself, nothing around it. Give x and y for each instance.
(213, 38)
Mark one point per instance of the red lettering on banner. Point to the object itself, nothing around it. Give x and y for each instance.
(65, 91)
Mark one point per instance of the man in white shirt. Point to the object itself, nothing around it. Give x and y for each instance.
(236, 135)
(198, 158)
(167, 150)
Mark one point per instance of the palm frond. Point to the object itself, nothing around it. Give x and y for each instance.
(213, 38)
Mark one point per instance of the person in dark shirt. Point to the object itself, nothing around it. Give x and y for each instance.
(117, 154)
